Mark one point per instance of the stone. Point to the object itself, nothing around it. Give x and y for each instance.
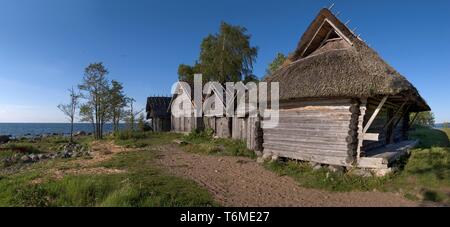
(34, 158)
(317, 168)
(313, 164)
(42, 156)
(383, 172)
(267, 156)
(361, 173)
(275, 158)
(336, 169)
(260, 160)
(80, 133)
(259, 153)
(4, 139)
(26, 159)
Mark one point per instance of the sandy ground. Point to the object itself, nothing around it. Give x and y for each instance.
(241, 182)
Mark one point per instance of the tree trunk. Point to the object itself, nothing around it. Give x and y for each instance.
(71, 130)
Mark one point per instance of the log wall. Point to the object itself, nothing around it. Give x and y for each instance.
(322, 131)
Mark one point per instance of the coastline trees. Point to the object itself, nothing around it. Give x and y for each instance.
(95, 89)
(425, 119)
(70, 109)
(131, 114)
(104, 102)
(118, 101)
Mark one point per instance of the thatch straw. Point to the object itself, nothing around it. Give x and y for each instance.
(158, 106)
(339, 69)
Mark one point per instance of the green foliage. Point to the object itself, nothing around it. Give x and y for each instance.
(70, 109)
(130, 135)
(140, 184)
(138, 139)
(276, 63)
(118, 102)
(250, 78)
(141, 123)
(95, 89)
(430, 137)
(140, 189)
(224, 57)
(425, 175)
(323, 179)
(445, 125)
(202, 142)
(25, 148)
(424, 119)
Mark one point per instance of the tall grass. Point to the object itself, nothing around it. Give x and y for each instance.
(139, 184)
(199, 141)
(424, 176)
(139, 139)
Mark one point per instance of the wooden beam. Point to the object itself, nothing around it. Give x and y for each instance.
(398, 121)
(362, 108)
(396, 113)
(414, 119)
(375, 114)
(371, 137)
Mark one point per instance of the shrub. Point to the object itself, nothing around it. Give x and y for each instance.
(129, 135)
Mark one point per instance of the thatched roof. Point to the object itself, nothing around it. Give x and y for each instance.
(157, 107)
(331, 61)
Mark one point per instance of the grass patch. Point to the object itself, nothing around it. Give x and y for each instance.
(25, 148)
(144, 189)
(429, 137)
(203, 142)
(135, 139)
(142, 184)
(425, 175)
(324, 179)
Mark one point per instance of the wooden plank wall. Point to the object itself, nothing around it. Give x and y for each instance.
(239, 131)
(315, 131)
(255, 137)
(223, 127)
(186, 124)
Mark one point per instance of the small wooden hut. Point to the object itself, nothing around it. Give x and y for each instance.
(158, 113)
(341, 104)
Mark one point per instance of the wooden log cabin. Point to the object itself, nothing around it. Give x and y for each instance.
(341, 103)
(158, 113)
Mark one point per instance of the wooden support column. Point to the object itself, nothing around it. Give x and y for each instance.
(400, 110)
(362, 110)
(375, 114)
(414, 119)
(362, 130)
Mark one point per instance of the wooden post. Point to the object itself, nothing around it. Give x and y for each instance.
(362, 110)
(396, 113)
(375, 114)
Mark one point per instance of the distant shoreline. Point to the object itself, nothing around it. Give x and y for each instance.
(45, 129)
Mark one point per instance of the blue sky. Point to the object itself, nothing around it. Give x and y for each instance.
(45, 44)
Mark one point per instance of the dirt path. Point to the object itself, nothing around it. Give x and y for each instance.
(240, 182)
